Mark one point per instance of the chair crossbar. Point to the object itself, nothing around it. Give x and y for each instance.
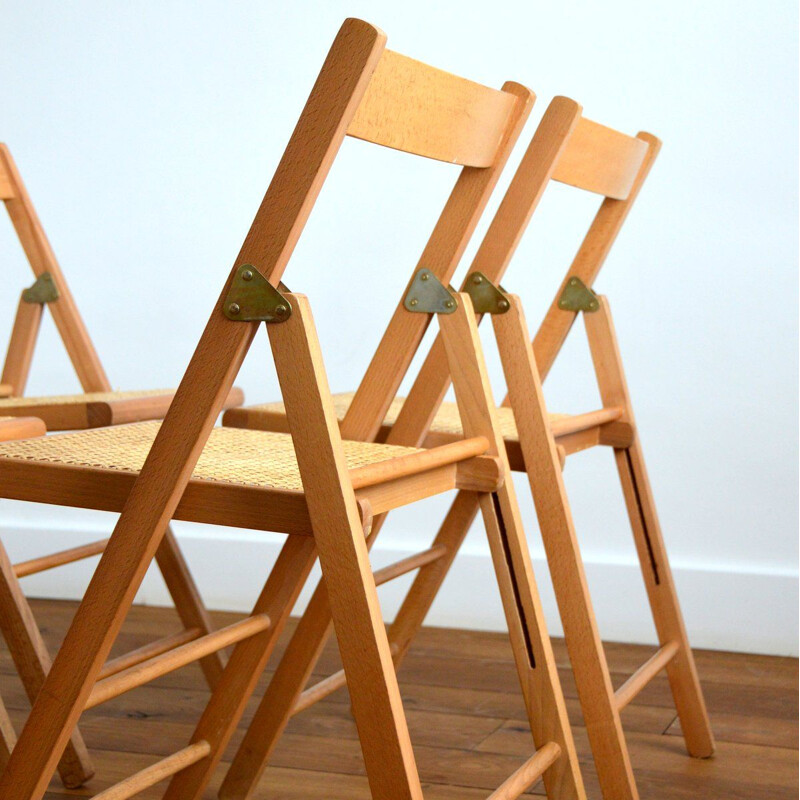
(148, 651)
(658, 661)
(157, 772)
(337, 680)
(527, 774)
(414, 463)
(406, 565)
(159, 665)
(563, 426)
(70, 556)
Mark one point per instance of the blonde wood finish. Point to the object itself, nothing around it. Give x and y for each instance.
(645, 674)
(601, 160)
(6, 189)
(61, 416)
(154, 648)
(592, 678)
(156, 773)
(402, 466)
(412, 107)
(442, 253)
(32, 660)
(138, 674)
(650, 547)
(533, 653)
(21, 428)
(528, 773)
(34, 565)
(21, 346)
(42, 259)
(344, 559)
(156, 493)
(588, 261)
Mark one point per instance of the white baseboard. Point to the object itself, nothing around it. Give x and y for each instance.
(737, 610)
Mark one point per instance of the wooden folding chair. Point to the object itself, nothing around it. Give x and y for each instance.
(310, 484)
(570, 149)
(96, 406)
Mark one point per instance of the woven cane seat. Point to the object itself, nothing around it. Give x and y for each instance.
(13, 403)
(447, 421)
(234, 456)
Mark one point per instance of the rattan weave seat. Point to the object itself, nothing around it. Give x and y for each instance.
(447, 421)
(259, 459)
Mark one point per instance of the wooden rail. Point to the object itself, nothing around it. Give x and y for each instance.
(53, 560)
(134, 676)
(527, 774)
(156, 773)
(148, 651)
(421, 461)
(645, 674)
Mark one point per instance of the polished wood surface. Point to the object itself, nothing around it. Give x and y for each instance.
(466, 718)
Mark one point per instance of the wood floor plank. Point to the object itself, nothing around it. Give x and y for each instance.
(465, 717)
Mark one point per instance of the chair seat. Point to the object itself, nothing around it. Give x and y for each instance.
(97, 409)
(574, 431)
(243, 478)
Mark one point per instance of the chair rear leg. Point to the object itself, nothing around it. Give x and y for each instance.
(247, 662)
(429, 578)
(276, 706)
(585, 648)
(187, 600)
(8, 738)
(656, 570)
(33, 662)
(531, 645)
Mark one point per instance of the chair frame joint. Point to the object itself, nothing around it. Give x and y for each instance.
(428, 295)
(43, 290)
(577, 296)
(252, 298)
(487, 297)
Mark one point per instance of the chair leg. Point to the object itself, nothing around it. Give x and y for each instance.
(533, 651)
(344, 558)
(585, 648)
(656, 570)
(187, 600)
(429, 578)
(8, 738)
(275, 709)
(247, 662)
(32, 661)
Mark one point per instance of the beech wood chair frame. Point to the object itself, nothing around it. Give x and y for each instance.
(358, 92)
(570, 149)
(17, 622)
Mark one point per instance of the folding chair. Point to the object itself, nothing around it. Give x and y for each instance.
(570, 149)
(97, 406)
(310, 484)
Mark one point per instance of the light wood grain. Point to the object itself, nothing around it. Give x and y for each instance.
(601, 160)
(21, 346)
(419, 109)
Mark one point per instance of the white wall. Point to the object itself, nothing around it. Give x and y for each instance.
(147, 133)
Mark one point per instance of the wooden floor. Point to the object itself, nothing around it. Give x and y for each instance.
(466, 719)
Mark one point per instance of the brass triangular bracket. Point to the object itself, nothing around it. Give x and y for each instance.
(428, 295)
(486, 297)
(43, 290)
(252, 298)
(577, 296)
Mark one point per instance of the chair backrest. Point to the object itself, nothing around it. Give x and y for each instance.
(372, 93)
(570, 149)
(65, 312)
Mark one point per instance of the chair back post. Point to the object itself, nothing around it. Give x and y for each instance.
(43, 261)
(590, 258)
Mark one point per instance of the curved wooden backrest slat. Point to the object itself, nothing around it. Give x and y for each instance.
(419, 109)
(600, 159)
